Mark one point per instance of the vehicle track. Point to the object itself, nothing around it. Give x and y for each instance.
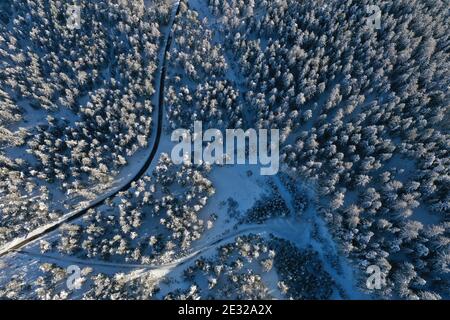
(194, 253)
(41, 231)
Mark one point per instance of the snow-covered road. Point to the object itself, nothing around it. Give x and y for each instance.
(297, 229)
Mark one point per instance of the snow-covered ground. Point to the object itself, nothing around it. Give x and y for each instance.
(306, 230)
(242, 184)
(127, 174)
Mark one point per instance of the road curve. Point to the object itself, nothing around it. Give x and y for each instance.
(260, 229)
(18, 243)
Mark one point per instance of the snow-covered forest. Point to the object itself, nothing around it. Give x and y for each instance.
(76, 104)
(364, 119)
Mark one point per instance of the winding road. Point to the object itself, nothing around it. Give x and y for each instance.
(276, 228)
(20, 242)
(260, 229)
